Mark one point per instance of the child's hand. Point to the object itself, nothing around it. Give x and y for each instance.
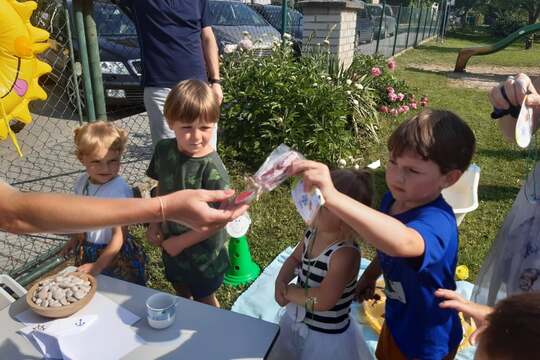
(89, 268)
(70, 246)
(315, 175)
(154, 234)
(365, 288)
(452, 300)
(172, 247)
(280, 292)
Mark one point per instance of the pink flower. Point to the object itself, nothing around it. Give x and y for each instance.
(390, 89)
(392, 97)
(400, 96)
(376, 72)
(394, 112)
(383, 109)
(424, 98)
(413, 105)
(406, 108)
(391, 64)
(423, 103)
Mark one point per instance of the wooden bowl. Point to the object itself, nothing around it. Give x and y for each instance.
(63, 311)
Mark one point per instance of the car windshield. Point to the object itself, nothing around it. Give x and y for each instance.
(110, 20)
(375, 10)
(226, 13)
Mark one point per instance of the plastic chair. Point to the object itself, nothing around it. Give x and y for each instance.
(6, 298)
(463, 195)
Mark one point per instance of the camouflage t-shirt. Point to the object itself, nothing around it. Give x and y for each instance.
(177, 171)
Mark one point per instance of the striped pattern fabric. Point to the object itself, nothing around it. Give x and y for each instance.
(335, 320)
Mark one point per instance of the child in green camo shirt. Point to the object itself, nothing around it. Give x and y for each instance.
(195, 262)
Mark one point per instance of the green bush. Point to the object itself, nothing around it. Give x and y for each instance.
(505, 25)
(308, 103)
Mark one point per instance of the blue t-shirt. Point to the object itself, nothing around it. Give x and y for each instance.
(170, 39)
(420, 328)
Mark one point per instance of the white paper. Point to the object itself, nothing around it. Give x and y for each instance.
(109, 337)
(307, 204)
(524, 125)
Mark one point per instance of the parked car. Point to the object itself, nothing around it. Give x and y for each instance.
(388, 26)
(364, 26)
(272, 14)
(120, 57)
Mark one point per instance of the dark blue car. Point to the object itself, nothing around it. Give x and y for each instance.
(119, 47)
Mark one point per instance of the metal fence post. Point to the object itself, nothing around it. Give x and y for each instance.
(283, 17)
(396, 32)
(431, 23)
(74, 76)
(409, 28)
(418, 27)
(93, 56)
(87, 80)
(425, 24)
(380, 27)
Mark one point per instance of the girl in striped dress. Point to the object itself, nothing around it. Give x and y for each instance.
(316, 322)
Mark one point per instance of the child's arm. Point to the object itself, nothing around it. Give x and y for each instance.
(176, 244)
(365, 288)
(286, 274)
(107, 255)
(342, 267)
(74, 240)
(382, 231)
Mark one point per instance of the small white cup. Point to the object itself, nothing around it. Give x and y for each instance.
(161, 310)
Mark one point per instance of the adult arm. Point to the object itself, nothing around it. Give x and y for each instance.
(516, 88)
(211, 58)
(40, 212)
(384, 232)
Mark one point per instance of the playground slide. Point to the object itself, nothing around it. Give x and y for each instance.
(466, 54)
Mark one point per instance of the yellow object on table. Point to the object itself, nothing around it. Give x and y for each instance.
(372, 312)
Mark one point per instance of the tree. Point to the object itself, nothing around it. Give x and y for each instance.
(531, 7)
(462, 8)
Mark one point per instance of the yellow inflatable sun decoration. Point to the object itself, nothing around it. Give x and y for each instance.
(19, 67)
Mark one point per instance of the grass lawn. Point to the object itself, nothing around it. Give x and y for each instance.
(276, 224)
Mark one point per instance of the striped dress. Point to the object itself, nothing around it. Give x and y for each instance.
(320, 335)
(335, 320)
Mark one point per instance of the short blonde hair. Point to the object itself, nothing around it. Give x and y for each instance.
(190, 101)
(88, 138)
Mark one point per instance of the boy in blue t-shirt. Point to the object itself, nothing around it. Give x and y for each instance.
(415, 233)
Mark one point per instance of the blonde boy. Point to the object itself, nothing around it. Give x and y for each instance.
(195, 262)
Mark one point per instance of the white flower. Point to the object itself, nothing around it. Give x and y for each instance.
(356, 167)
(342, 162)
(359, 86)
(315, 84)
(318, 44)
(349, 92)
(287, 36)
(245, 44)
(355, 102)
(230, 48)
(326, 42)
(349, 81)
(245, 33)
(328, 78)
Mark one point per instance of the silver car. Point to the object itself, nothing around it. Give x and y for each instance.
(388, 25)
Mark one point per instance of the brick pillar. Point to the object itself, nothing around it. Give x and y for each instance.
(319, 18)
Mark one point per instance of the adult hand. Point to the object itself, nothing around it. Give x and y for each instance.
(218, 92)
(190, 208)
(315, 174)
(452, 300)
(515, 88)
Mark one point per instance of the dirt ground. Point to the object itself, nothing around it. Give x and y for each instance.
(476, 77)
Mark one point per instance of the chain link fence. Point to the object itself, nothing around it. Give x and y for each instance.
(49, 164)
